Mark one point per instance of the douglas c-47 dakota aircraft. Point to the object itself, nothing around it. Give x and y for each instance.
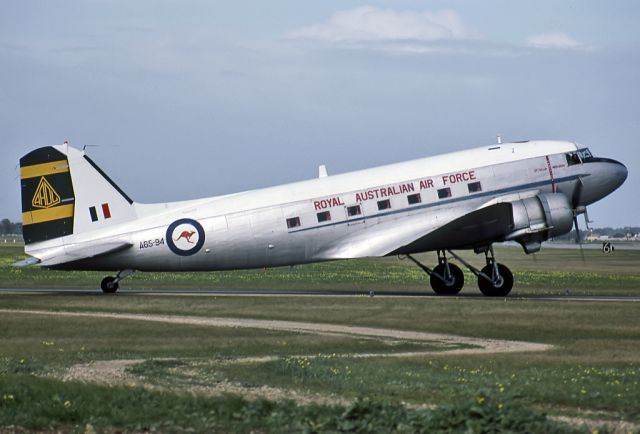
(76, 218)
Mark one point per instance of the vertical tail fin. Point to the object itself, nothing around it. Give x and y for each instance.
(64, 192)
(48, 200)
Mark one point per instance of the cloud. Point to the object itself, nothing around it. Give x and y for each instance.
(419, 32)
(371, 24)
(557, 40)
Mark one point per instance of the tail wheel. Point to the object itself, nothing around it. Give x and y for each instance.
(109, 285)
(447, 288)
(496, 289)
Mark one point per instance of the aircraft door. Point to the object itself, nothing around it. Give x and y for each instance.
(267, 236)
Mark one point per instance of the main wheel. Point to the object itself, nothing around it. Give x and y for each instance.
(108, 285)
(491, 289)
(447, 288)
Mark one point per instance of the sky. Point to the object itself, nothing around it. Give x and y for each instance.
(186, 99)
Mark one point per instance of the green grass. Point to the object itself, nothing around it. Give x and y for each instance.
(43, 404)
(41, 344)
(595, 365)
(593, 370)
(549, 384)
(551, 271)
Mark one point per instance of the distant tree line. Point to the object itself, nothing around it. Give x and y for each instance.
(7, 227)
(619, 233)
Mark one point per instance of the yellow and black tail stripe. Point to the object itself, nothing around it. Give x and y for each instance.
(47, 195)
(50, 168)
(47, 215)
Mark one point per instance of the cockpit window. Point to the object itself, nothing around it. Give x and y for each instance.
(579, 156)
(585, 154)
(572, 158)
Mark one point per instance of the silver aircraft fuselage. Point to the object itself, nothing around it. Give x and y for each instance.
(401, 208)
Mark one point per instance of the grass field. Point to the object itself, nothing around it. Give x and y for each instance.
(550, 271)
(83, 373)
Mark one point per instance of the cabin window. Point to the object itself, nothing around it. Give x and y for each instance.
(353, 210)
(414, 198)
(293, 222)
(443, 193)
(384, 204)
(324, 216)
(474, 187)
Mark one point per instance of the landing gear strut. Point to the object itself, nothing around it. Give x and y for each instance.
(494, 279)
(445, 278)
(111, 284)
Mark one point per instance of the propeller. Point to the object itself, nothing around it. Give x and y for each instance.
(577, 209)
(577, 194)
(578, 237)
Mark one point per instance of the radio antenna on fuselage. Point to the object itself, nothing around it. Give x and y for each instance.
(322, 171)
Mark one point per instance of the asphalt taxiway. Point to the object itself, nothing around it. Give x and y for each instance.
(315, 293)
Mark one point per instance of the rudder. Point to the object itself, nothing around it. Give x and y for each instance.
(48, 200)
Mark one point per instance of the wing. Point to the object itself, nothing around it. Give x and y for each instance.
(475, 229)
(452, 229)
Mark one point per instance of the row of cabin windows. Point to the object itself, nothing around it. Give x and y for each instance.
(355, 210)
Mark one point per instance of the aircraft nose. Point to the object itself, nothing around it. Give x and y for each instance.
(605, 176)
(619, 173)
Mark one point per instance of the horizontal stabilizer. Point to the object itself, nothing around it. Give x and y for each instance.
(26, 262)
(84, 251)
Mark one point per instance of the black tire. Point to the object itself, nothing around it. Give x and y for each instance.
(440, 287)
(108, 286)
(489, 289)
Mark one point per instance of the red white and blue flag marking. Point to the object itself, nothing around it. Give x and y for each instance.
(106, 212)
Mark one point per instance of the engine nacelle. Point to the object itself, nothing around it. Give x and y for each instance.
(538, 218)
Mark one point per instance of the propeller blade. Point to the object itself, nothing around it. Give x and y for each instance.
(577, 209)
(586, 218)
(578, 237)
(577, 193)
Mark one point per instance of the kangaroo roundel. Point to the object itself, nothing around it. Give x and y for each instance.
(185, 237)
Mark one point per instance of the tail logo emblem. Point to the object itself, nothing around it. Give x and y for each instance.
(45, 196)
(185, 237)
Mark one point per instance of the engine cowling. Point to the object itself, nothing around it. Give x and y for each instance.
(538, 218)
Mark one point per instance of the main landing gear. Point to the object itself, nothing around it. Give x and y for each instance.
(494, 279)
(111, 284)
(445, 278)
